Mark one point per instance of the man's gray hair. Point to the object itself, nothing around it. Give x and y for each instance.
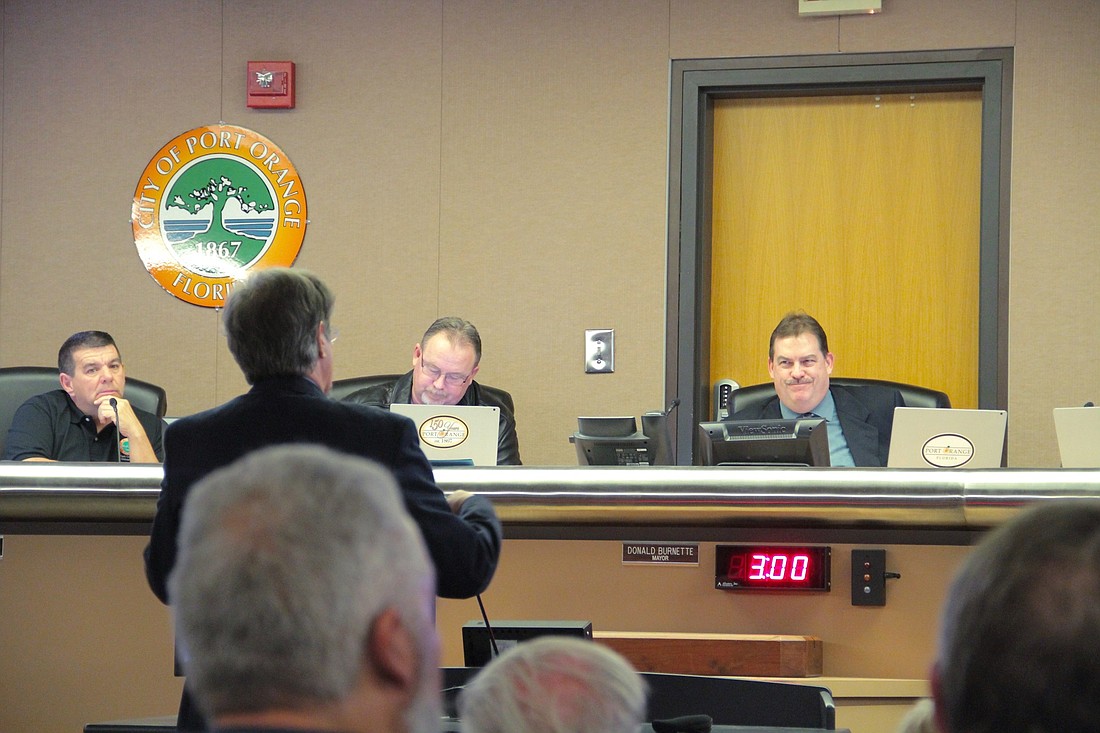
(555, 684)
(271, 320)
(285, 559)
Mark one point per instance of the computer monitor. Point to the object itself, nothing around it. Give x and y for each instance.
(802, 441)
(616, 441)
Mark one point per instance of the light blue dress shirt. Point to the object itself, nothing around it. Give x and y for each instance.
(839, 455)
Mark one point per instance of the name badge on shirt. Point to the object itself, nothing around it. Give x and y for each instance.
(124, 450)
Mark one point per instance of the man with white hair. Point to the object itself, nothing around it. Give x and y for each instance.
(303, 597)
(555, 684)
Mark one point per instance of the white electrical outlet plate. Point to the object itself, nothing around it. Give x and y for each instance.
(599, 350)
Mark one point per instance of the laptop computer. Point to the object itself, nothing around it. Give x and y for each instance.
(932, 437)
(1078, 430)
(455, 435)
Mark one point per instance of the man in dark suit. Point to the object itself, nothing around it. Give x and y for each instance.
(277, 325)
(858, 421)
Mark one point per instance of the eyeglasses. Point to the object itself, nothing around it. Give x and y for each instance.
(333, 332)
(433, 372)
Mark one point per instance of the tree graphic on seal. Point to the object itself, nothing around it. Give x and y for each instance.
(214, 217)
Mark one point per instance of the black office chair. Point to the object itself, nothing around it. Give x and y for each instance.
(734, 701)
(341, 388)
(913, 395)
(17, 384)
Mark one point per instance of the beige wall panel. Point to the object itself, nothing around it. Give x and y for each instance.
(717, 28)
(930, 24)
(84, 639)
(543, 579)
(1054, 312)
(365, 138)
(552, 217)
(91, 93)
(869, 223)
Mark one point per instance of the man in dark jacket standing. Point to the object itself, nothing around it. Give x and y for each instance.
(277, 324)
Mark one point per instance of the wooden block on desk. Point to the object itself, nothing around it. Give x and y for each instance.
(742, 655)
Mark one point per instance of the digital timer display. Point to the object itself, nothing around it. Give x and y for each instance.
(772, 567)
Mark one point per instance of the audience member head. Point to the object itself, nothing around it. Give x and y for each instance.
(554, 684)
(1017, 650)
(799, 361)
(304, 591)
(277, 325)
(921, 718)
(445, 362)
(89, 367)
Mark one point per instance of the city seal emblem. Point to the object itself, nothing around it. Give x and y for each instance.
(213, 204)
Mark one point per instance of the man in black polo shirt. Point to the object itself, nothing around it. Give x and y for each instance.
(88, 418)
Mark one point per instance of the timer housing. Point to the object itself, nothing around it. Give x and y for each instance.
(772, 568)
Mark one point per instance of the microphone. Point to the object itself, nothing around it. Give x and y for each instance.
(492, 636)
(723, 388)
(118, 431)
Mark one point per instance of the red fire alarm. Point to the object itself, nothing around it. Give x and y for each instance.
(271, 84)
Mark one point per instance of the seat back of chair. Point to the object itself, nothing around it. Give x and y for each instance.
(732, 701)
(913, 395)
(341, 388)
(17, 384)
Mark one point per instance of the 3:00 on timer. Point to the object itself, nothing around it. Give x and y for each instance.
(756, 567)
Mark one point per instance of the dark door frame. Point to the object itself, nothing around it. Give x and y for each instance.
(697, 83)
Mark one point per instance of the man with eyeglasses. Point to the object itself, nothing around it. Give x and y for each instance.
(444, 365)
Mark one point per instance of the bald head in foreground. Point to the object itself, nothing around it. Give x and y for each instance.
(555, 684)
(303, 597)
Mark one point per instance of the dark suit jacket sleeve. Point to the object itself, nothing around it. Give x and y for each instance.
(464, 547)
(507, 441)
(160, 553)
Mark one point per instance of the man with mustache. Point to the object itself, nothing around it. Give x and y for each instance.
(858, 421)
(444, 365)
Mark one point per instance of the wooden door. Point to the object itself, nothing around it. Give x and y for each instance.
(862, 210)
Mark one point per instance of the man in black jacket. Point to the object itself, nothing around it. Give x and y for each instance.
(858, 422)
(277, 324)
(444, 365)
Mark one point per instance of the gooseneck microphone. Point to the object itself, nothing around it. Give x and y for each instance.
(492, 636)
(118, 431)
